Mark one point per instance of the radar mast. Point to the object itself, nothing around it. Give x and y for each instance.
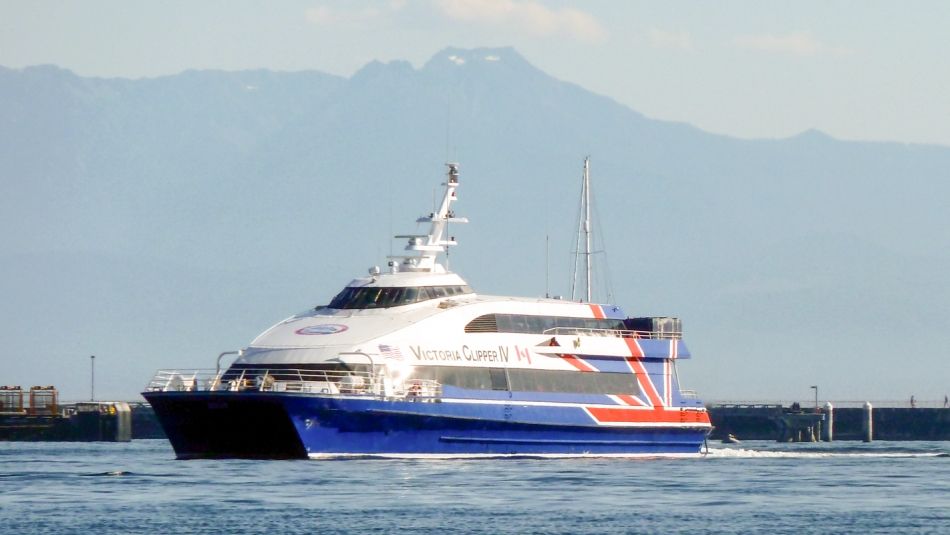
(428, 246)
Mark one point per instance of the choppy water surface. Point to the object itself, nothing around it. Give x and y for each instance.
(138, 487)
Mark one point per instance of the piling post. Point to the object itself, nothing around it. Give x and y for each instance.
(829, 427)
(867, 422)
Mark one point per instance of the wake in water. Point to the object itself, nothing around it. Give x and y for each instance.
(448, 456)
(802, 451)
(743, 453)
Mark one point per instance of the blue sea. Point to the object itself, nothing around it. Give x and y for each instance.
(763, 487)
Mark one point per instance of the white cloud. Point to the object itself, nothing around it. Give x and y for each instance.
(664, 39)
(796, 44)
(527, 15)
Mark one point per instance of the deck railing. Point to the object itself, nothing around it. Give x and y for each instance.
(327, 382)
(614, 333)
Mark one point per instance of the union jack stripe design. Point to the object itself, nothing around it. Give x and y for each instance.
(627, 399)
(646, 385)
(667, 383)
(634, 346)
(654, 406)
(573, 360)
(578, 363)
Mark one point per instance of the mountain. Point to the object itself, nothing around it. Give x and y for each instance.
(157, 222)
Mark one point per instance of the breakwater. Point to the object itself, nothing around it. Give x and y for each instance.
(776, 422)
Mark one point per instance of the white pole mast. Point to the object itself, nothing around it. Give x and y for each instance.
(587, 224)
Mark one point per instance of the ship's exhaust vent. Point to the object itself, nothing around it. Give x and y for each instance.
(483, 324)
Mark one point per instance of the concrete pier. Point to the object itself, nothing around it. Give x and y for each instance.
(867, 422)
(772, 422)
(828, 433)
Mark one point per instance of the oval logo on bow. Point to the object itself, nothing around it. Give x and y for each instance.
(327, 328)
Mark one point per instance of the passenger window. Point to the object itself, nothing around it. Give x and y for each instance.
(505, 325)
(499, 380)
(519, 324)
(536, 324)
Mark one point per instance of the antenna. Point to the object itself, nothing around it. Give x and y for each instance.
(448, 128)
(389, 194)
(547, 264)
(448, 217)
(577, 249)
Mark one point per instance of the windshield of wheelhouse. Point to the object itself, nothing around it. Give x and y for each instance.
(386, 297)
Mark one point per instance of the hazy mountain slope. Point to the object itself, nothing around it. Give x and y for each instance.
(156, 222)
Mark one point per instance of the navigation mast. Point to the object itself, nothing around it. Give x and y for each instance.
(428, 246)
(584, 227)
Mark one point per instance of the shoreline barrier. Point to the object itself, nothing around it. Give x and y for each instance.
(867, 422)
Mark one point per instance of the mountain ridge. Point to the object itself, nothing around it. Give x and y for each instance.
(287, 185)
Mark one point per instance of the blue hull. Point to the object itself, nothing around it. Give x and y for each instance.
(366, 426)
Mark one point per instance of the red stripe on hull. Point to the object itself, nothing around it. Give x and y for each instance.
(634, 348)
(644, 378)
(578, 363)
(633, 416)
(598, 312)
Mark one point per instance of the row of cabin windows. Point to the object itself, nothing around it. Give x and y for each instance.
(380, 297)
(522, 323)
(515, 379)
(521, 380)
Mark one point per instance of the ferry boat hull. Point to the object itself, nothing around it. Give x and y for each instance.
(226, 425)
(282, 425)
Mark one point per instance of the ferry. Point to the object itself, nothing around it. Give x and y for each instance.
(411, 360)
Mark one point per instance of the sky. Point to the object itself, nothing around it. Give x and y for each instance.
(857, 70)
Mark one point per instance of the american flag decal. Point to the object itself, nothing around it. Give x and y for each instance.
(390, 352)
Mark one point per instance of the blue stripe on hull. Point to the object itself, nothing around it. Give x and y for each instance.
(335, 425)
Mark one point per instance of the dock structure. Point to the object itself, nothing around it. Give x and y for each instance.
(37, 415)
(763, 421)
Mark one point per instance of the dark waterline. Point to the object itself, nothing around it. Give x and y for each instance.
(138, 487)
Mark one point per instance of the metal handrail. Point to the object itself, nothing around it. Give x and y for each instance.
(615, 333)
(326, 382)
(218, 363)
(372, 363)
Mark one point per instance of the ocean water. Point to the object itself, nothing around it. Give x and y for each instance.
(755, 487)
